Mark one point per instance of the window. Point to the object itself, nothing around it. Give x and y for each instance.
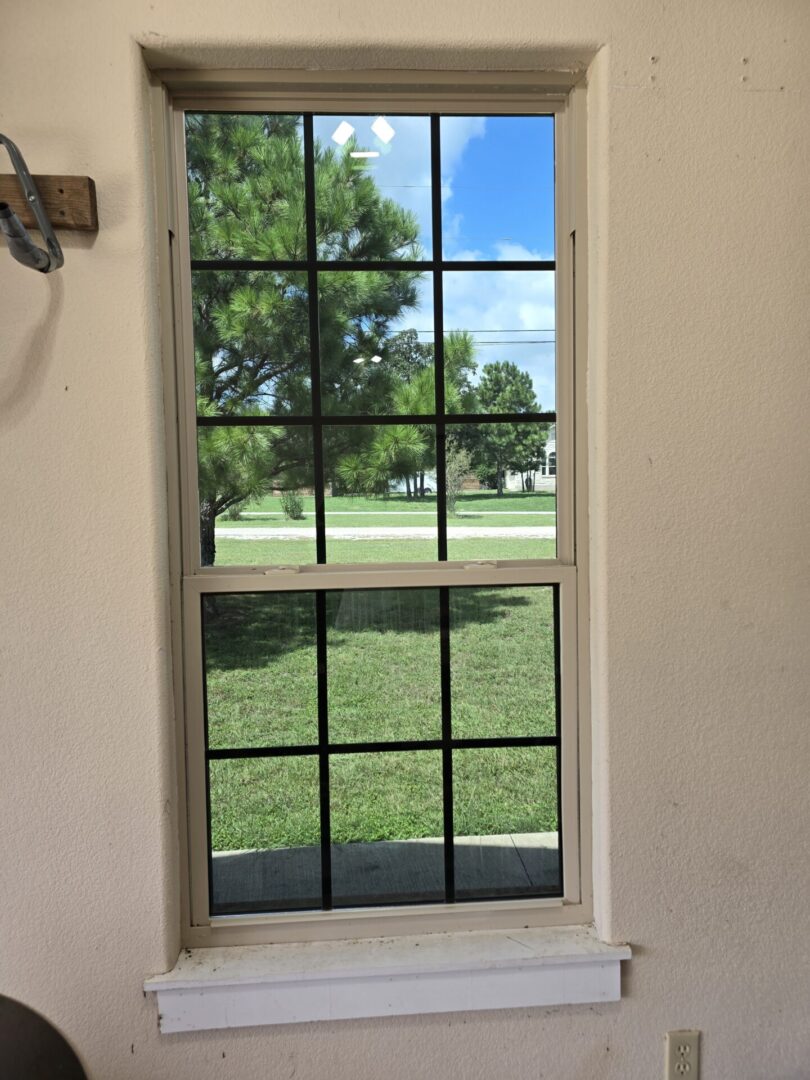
(374, 325)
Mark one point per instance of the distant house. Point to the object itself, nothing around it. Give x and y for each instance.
(545, 477)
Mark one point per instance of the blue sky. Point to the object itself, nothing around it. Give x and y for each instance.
(500, 189)
(497, 203)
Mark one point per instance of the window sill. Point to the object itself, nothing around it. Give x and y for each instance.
(249, 985)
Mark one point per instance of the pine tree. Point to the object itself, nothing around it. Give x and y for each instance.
(251, 328)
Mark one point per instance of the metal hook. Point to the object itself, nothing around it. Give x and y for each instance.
(20, 244)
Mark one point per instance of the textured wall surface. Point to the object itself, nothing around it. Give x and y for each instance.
(700, 157)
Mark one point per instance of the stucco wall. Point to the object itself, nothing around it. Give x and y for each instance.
(699, 386)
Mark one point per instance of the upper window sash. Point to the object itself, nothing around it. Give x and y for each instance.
(191, 425)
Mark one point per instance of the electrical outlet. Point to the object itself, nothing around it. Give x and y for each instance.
(682, 1055)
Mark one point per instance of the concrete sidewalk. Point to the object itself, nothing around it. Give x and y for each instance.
(387, 871)
(394, 532)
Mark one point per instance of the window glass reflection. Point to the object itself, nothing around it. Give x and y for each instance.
(372, 176)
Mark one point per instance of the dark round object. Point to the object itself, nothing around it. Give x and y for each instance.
(31, 1048)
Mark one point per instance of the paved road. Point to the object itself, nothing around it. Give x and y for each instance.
(395, 532)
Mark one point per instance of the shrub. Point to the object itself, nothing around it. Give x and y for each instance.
(292, 505)
(457, 469)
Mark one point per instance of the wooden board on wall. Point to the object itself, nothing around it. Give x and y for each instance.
(69, 201)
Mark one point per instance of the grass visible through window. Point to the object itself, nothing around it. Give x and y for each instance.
(383, 684)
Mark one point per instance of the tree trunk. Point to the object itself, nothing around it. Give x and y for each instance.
(408, 486)
(500, 481)
(421, 485)
(207, 542)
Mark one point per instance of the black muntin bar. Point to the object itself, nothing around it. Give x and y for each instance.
(324, 266)
(447, 752)
(314, 337)
(558, 722)
(262, 752)
(378, 747)
(516, 740)
(365, 420)
(438, 337)
(495, 264)
(323, 751)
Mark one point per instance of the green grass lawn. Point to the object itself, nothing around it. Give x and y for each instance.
(383, 504)
(262, 552)
(517, 508)
(383, 684)
(276, 552)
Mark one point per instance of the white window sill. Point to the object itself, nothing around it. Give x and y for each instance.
(249, 985)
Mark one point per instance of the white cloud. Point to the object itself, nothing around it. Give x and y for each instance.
(512, 252)
(509, 309)
(511, 314)
(456, 133)
(403, 169)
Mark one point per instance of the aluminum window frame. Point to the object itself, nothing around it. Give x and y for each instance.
(431, 93)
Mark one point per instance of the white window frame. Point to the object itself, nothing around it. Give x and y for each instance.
(481, 94)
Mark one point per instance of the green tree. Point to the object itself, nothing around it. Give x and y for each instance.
(373, 467)
(418, 395)
(460, 367)
(251, 328)
(529, 453)
(504, 388)
(397, 452)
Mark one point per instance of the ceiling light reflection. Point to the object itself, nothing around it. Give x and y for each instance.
(342, 133)
(383, 130)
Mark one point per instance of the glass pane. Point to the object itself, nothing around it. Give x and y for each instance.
(372, 178)
(505, 821)
(251, 343)
(501, 502)
(245, 186)
(387, 828)
(500, 341)
(260, 670)
(376, 342)
(497, 187)
(502, 662)
(256, 496)
(265, 834)
(380, 493)
(383, 665)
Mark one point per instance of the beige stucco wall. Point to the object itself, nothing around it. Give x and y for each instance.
(699, 384)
